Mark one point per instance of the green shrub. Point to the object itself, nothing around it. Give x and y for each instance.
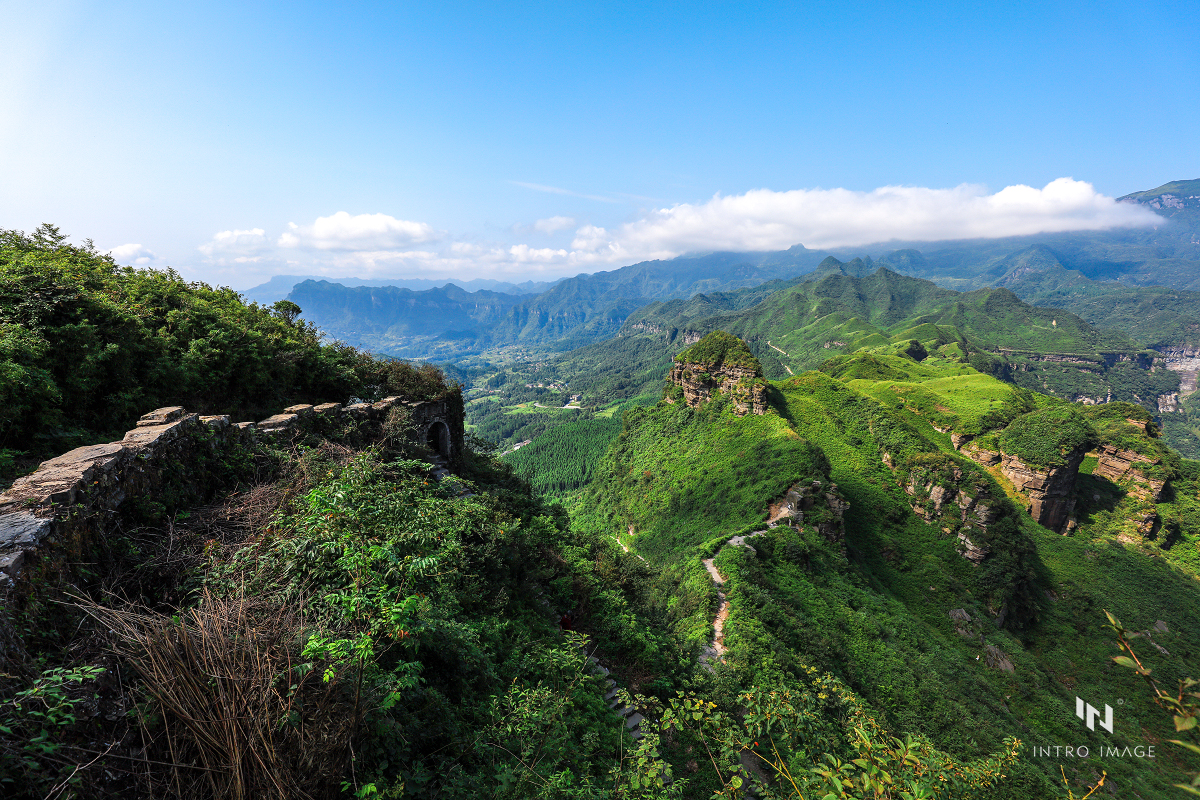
(1047, 437)
(87, 346)
(720, 349)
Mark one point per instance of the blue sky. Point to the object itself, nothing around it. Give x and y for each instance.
(224, 139)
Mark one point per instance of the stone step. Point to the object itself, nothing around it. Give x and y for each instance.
(612, 693)
(633, 720)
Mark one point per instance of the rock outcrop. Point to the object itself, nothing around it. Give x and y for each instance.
(1117, 465)
(943, 493)
(721, 362)
(1049, 490)
(744, 385)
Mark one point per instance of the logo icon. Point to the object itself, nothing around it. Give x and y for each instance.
(1091, 715)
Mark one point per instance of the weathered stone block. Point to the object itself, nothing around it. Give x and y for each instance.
(279, 422)
(161, 416)
(360, 411)
(152, 435)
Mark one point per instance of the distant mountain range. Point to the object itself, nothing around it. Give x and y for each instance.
(446, 323)
(280, 286)
(1145, 283)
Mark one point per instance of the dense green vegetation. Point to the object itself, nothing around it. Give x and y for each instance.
(376, 633)
(393, 635)
(1049, 436)
(719, 349)
(87, 346)
(877, 615)
(565, 457)
(369, 630)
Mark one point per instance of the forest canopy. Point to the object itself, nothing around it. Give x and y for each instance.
(87, 346)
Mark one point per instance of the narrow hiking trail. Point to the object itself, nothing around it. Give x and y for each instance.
(716, 651)
(785, 366)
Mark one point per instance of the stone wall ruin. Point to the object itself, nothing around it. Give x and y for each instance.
(51, 518)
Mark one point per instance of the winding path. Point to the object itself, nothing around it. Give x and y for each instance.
(716, 651)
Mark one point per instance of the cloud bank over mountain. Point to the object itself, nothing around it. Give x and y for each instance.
(379, 245)
(822, 218)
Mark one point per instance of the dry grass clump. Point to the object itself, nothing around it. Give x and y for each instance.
(237, 714)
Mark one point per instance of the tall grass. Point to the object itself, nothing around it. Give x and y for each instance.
(238, 714)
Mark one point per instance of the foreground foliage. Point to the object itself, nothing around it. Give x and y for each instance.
(87, 346)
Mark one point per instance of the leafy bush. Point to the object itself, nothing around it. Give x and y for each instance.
(1047, 437)
(87, 346)
(720, 349)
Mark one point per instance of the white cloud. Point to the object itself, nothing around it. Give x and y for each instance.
(377, 245)
(237, 245)
(133, 255)
(552, 224)
(821, 218)
(523, 253)
(343, 231)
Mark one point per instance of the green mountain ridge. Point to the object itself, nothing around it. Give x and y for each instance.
(448, 323)
(845, 584)
(901, 615)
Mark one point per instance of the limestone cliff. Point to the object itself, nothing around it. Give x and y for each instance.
(943, 493)
(1118, 465)
(721, 362)
(1048, 489)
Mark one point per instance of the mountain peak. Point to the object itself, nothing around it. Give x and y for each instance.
(720, 349)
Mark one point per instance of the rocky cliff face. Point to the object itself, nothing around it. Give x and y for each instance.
(1049, 490)
(802, 499)
(720, 362)
(942, 493)
(744, 384)
(1119, 465)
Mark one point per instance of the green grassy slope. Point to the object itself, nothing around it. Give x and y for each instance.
(1153, 316)
(879, 616)
(672, 480)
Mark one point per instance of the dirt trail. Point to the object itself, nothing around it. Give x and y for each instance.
(716, 651)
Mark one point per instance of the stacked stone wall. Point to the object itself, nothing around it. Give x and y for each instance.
(52, 518)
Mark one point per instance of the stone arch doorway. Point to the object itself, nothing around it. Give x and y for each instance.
(437, 437)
